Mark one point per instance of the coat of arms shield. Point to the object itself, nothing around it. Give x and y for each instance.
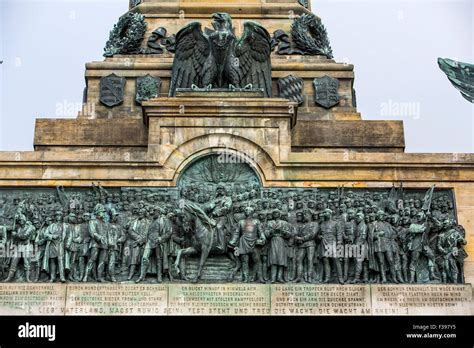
(111, 90)
(291, 87)
(326, 91)
(148, 87)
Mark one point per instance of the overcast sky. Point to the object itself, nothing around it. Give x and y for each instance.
(394, 45)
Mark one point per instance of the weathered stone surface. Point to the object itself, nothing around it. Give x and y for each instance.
(57, 133)
(217, 299)
(257, 123)
(115, 168)
(32, 299)
(426, 299)
(200, 7)
(312, 299)
(116, 299)
(472, 304)
(375, 136)
(235, 299)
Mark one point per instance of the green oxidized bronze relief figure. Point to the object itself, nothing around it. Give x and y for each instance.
(219, 225)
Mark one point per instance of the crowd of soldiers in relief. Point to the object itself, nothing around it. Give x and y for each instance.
(270, 235)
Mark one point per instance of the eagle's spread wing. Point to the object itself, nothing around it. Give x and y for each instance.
(192, 50)
(251, 64)
(461, 76)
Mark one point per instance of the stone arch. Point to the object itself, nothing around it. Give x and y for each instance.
(240, 171)
(256, 157)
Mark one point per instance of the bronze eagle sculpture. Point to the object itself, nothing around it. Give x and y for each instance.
(215, 58)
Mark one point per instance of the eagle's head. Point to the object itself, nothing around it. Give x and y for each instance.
(221, 21)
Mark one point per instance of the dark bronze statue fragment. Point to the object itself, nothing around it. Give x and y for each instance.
(158, 42)
(308, 37)
(461, 75)
(135, 3)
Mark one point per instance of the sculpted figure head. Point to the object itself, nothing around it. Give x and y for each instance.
(248, 211)
(58, 216)
(276, 214)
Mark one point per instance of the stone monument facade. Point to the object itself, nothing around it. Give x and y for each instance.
(220, 144)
